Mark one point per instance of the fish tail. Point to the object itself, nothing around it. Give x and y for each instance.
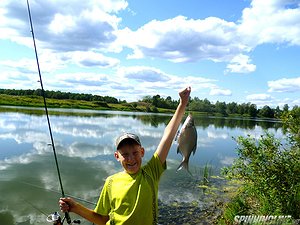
(184, 164)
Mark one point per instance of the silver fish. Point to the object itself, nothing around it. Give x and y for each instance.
(187, 141)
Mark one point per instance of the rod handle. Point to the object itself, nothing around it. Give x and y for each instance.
(68, 218)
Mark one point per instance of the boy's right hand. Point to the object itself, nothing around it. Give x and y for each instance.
(66, 204)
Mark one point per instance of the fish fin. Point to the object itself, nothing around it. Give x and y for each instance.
(178, 150)
(194, 149)
(182, 165)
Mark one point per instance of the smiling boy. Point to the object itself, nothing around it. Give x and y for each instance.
(130, 197)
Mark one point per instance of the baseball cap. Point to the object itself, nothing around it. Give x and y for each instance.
(127, 136)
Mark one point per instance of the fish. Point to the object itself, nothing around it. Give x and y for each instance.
(187, 142)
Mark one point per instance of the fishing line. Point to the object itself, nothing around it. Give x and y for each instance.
(46, 111)
(33, 206)
(54, 191)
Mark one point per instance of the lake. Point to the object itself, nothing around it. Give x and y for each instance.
(84, 141)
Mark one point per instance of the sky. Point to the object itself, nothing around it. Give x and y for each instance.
(226, 50)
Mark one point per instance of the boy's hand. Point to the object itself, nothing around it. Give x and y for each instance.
(70, 205)
(184, 95)
(66, 204)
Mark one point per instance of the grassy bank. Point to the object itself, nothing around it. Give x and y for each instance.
(37, 101)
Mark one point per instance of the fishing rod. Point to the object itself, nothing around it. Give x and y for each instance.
(67, 216)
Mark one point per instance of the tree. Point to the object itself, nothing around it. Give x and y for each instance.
(286, 108)
(242, 109)
(155, 100)
(252, 110)
(266, 111)
(232, 108)
(147, 99)
(277, 112)
(220, 107)
(207, 105)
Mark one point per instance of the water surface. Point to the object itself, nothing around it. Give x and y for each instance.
(84, 141)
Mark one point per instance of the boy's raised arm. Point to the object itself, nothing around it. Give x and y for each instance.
(172, 127)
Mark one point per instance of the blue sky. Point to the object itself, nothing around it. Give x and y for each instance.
(233, 51)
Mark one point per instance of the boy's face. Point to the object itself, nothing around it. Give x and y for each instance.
(130, 157)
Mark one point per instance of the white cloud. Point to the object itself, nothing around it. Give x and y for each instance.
(24, 65)
(271, 21)
(265, 99)
(80, 80)
(240, 64)
(260, 97)
(76, 25)
(143, 73)
(61, 23)
(288, 101)
(133, 82)
(148, 80)
(67, 26)
(48, 61)
(90, 59)
(90, 25)
(220, 92)
(181, 39)
(14, 77)
(284, 85)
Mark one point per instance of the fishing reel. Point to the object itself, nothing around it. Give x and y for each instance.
(56, 219)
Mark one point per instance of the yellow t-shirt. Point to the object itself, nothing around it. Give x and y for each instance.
(132, 199)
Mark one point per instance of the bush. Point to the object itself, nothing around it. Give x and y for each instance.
(101, 104)
(270, 170)
(271, 174)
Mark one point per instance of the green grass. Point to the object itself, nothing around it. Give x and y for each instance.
(37, 101)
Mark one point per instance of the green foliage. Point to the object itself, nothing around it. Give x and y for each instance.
(266, 111)
(102, 104)
(291, 125)
(197, 104)
(238, 206)
(60, 95)
(160, 102)
(270, 170)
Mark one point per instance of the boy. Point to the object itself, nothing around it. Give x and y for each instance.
(130, 197)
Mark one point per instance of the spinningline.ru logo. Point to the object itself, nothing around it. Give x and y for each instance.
(253, 219)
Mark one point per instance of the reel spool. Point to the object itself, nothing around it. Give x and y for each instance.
(56, 219)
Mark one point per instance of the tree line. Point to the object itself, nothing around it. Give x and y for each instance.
(60, 95)
(219, 108)
(156, 101)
